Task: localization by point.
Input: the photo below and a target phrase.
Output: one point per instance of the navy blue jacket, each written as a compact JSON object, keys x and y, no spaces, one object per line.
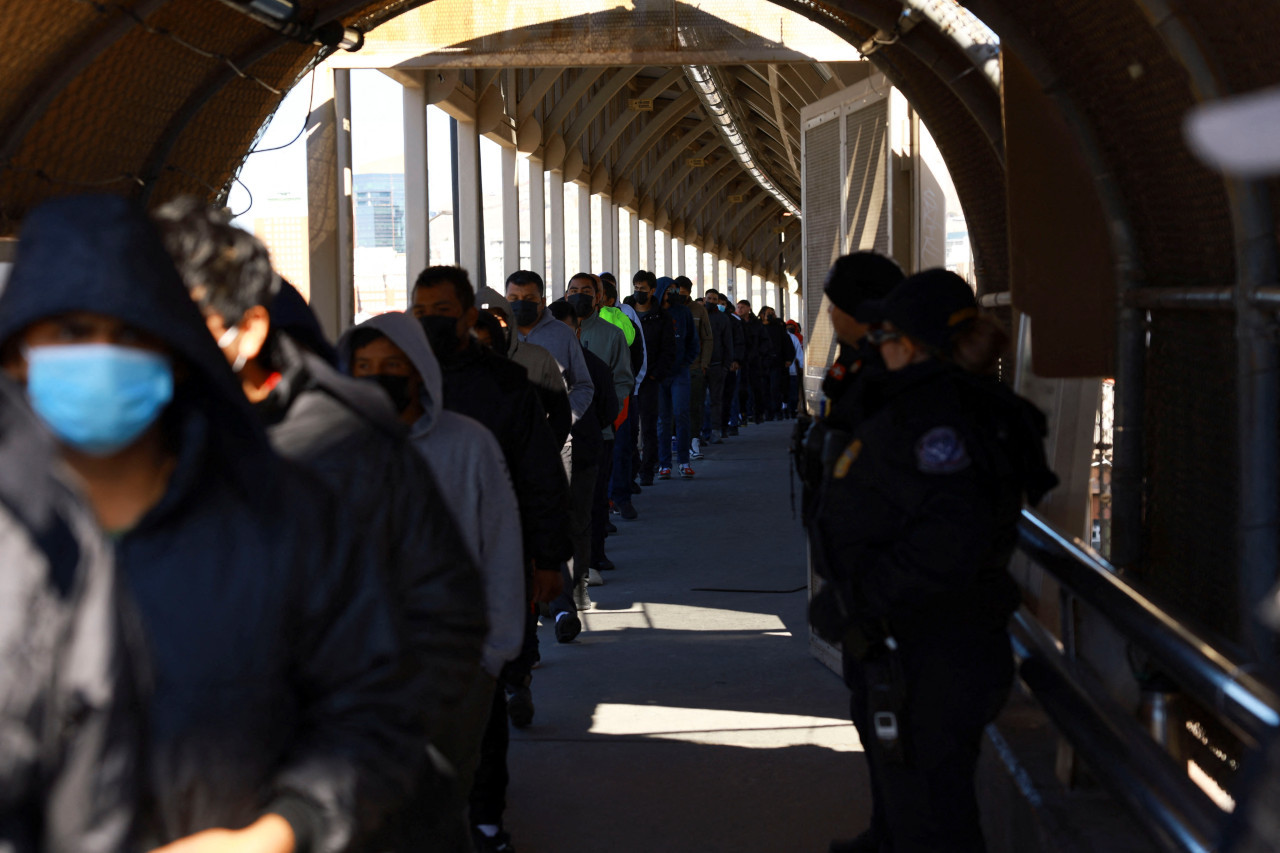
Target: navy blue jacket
{"x":275,"y":668}
{"x":688,"y":346}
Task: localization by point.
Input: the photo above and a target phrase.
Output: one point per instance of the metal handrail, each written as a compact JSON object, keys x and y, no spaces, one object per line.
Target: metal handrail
{"x":1246,"y":705}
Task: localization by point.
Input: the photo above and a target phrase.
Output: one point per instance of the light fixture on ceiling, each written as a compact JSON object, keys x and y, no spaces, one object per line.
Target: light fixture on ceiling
{"x":282,"y":16}
{"x":704,"y":83}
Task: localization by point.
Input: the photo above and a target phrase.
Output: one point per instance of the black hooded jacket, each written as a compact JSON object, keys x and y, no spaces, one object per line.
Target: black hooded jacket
{"x":345,"y":432}
{"x":273,"y":657}
{"x":72,"y":738}
{"x":497,"y":393}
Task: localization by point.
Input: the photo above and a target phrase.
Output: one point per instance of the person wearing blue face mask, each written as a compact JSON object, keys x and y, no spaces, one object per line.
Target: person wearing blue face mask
{"x":274,"y":694}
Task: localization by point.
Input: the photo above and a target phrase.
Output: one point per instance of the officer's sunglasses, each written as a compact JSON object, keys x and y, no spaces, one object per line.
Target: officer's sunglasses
{"x":883,"y":336}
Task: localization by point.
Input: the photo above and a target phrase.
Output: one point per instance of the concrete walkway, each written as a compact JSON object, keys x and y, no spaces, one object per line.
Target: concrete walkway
{"x":687,"y":717}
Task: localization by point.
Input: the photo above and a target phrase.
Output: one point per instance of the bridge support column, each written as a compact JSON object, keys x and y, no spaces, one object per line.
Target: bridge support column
{"x":633,"y":228}
{"x":615,"y":262}
{"x":537,"y":220}
{"x":667,"y":266}
{"x":467,"y":213}
{"x":608,"y":236}
{"x":510,"y":221}
{"x":555,"y":276}
{"x":330,"y":215}
{"x":680,"y":256}
{"x":417,"y":208}
{"x":651,"y":262}
{"x":584,"y":229}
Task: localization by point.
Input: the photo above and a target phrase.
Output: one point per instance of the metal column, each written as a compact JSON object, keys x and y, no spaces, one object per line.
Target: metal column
{"x":652,"y":261}
{"x":510,"y":220}
{"x":584,"y":229}
{"x":417,"y":207}
{"x":537,"y":218}
{"x":633,"y":228}
{"x":555,"y":276}
{"x":680,"y":256}
{"x":608,"y":237}
{"x":329,"y":202}
{"x":666,"y":254}
{"x":467,"y":213}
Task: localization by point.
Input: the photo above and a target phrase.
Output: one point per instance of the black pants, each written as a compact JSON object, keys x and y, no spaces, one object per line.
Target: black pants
{"x":956,"y":683}
{"x":758,"y":379}
{"x":489,"y":792}
{"x":649,"y":428}
{"x":731,"y":381}
{"x":777,"y":389}
{"x":600,"y":503}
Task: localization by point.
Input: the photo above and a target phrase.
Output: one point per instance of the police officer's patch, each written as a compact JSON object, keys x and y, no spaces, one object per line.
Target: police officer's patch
{"x":847,"y":458}
{"x":941,"y":451}
{"x":836,"y":372}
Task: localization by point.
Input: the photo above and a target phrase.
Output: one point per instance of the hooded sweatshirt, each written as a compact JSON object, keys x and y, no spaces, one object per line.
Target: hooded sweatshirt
{"x":462,"y":453}
{"x":687,"y":343}
{"x":544,"y":373}
{"x":272,"y":654}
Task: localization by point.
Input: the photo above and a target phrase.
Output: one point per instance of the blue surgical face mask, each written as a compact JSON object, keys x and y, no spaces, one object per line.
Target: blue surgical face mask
{"x":98,"y":398}
{"x":721,"y":306}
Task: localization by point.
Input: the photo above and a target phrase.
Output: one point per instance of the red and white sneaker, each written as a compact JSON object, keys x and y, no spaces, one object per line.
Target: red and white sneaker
{"x":664,"y":473}
{"x":686,"y":472}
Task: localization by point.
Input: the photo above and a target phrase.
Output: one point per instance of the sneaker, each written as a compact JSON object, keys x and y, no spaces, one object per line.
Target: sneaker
{"x":686,"y":472}
{"x":604,"y":564}
{"x":568,"y":627}
{"x":628,"y":512}
{"x":716,"y":438}
{"x":635,"y":487}
{"x":664,"y":473}
{"x":581,"y":600}
{"x":695,"y":449}
{"x":500,"y":843}
{"x":594,"y":579}
{"x":520,"y":707}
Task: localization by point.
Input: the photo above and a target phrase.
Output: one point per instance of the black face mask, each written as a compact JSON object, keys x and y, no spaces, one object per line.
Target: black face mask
{"x":674,"y":298}
{"x":397,"y":388}
{"x":582,"y":304}
{"x":525,"y":311}
{"x":442,"y":334}
{"x":642,"y":298}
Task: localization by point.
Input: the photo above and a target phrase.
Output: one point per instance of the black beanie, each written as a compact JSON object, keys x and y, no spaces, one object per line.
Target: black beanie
{"x":860,"y":277}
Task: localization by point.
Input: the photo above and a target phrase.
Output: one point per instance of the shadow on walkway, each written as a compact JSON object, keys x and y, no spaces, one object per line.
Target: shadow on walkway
{"x":687,"y":717}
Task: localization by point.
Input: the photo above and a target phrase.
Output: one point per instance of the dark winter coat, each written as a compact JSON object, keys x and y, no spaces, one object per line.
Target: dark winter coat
{"x":721,"y":337}
{"x":274,"y":655}
{"x":346,"y":433}
{"x":497,"y":393}
{"x":687,"y":344}
{"x":71,"y":734}
{"x":659,"y":341}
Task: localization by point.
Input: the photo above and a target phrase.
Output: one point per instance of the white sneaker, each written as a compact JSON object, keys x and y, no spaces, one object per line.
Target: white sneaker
{"x":695,"y":450}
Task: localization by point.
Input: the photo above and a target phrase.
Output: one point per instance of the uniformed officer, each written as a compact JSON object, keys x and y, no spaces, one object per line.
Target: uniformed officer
{"x":916,"y":523}
{"x":852,"y":280}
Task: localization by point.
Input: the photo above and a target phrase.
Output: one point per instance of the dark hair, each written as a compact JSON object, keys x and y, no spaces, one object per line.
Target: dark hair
{"x":978,"y":347}
{"x":456,"y":276}
{"x":683,"y":282}
{"x":746,"y":302}
{"x":497,"y":334}
{"x":610,"y":289}
{"x":588,"y":276}
{"x":646,"y":276}
{"x":523,"y":278}
{"x":711,"y":290}
{"x":608,"y":276}
{"x":765,"y":308}
{"x":226,"y":269}
{"x":362,"y":336}
{"x":562,"y":310}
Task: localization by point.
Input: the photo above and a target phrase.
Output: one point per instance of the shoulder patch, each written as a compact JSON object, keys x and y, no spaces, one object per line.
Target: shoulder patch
{"x":836,"y":372}
{"x":847,"y":458}
{"x":941,"y":451}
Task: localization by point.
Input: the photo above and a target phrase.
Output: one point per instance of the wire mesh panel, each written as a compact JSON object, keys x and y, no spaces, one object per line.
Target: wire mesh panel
{"x":822,"y":225}
{"x":866,"y":221}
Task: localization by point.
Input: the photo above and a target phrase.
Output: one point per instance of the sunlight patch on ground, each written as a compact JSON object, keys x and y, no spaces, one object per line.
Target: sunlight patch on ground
{"x":682,"y":617}
{"x":748,"y":729}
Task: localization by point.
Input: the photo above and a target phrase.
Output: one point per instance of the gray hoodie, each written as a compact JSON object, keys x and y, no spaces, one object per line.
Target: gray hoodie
{"x":468,"y":464}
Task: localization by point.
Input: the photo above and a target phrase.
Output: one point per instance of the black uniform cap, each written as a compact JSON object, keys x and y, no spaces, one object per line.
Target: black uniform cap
{"x":859,"y":277}
{"x":930,"y":306}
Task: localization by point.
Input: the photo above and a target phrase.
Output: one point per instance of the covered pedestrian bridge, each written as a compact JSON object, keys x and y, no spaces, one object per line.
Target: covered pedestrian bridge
{"x":746,"y":145}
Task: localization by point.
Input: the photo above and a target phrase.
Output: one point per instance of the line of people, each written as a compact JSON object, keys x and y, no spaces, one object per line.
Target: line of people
{"x":269,"y":593}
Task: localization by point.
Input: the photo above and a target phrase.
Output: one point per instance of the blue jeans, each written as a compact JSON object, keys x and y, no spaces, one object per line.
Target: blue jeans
{"x":735,"y":407}
{"x":674,"y":394}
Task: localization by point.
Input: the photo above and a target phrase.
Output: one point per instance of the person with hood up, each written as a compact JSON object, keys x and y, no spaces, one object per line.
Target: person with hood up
{"x":673,"y":395}
{"x":917,"y":523}
{"x":659,"y":342}
{"x":276,"y":715}
{"x":608,"y":343}
{"x":621,"y":480}
{"x":698,"y":370}
{"x":69,"y":717}
{"x":464,"y":454}
{"x":543,"y":371}
{"x":346,"y":433}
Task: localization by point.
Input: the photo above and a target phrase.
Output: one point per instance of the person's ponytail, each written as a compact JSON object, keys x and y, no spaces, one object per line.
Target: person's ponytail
{"x":978,"y":348}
